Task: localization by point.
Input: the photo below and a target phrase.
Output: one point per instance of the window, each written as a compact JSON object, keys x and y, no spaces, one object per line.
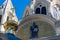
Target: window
{"x":59,"y":12}
{"x":7,"y":18}
{"x":0,"y":18}
{"x":43,"y":10}
{"x":37,"y":11}
{"x":54,"y":12}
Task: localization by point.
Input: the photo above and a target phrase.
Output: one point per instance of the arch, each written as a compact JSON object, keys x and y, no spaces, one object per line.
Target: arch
{"x":0,"y":18}
{"x":45,"y":30}
{"x":54,"y":11}
{"x":7,"y":18}
{"x":46,"y":26}
{"x":37,"y":11}
{"x":43,"y":10}
{"x":59,"y":12}
{"x":27,"y":12}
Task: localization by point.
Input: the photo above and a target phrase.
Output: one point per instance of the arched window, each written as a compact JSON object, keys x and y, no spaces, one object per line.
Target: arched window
{"x":0,"y":18}
{"x":27,"y":12}
{"x":37,"y":11}
{"x":59,"y":13}
{"x":7,"y":18}
{"x":54,"y":12}
{"x":43,"y":10}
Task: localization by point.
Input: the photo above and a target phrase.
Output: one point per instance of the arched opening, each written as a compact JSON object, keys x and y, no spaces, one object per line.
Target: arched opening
{"x":7,"y":18}
{"x":59,"y":13}
{"x":43,"y":10}
{"x":54,"y":11}
{"x":27,"y":13}
{"x":37,"y":11}
{"x":0,"y":18}
{"x":39,"y":29}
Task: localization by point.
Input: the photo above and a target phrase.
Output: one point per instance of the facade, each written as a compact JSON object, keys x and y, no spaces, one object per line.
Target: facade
{"x":40,"y":21}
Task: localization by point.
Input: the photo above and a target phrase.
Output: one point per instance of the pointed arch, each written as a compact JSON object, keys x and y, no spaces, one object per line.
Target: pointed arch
{"x":43,"y":10}
{"x":37,"y":11}
{"x":59,"y":12}
{"x":26,"y":12}
{"x":54,"y":11}
{"x":0,"y":18}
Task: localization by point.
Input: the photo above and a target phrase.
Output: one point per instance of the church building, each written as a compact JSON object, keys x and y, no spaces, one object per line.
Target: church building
{"x":40,"y":20}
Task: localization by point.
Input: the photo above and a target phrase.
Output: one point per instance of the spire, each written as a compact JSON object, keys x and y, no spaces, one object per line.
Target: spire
{"x":32,"y":5}
{"x":8,"y":13}
{"x":2,"y":10}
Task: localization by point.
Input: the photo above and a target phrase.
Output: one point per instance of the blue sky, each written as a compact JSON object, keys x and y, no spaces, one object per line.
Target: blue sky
{"x":19,"y":5}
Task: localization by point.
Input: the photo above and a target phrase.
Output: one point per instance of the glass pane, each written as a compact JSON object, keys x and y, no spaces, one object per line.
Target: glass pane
{"x":37,"y":11}
{"x":54,"y":12}
{"x":43,"y":10}
{"x":59,"y":13}
{"x":0,"y":18}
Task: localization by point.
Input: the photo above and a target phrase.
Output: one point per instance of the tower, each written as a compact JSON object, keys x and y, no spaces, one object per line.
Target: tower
{"x":37,"y":12}
{"x":8,"y":13}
